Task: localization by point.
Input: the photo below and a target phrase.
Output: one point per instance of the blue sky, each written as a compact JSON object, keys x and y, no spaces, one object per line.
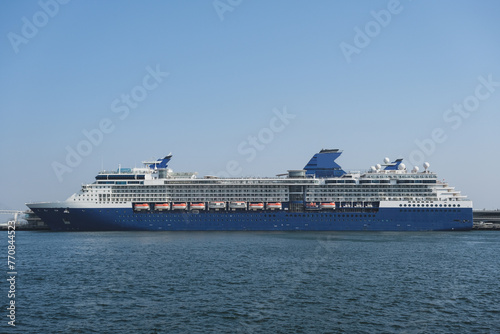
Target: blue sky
{"x":246,"y":88}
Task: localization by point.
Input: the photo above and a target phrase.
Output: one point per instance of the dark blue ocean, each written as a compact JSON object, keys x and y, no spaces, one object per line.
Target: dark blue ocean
{"x":245,"y":282}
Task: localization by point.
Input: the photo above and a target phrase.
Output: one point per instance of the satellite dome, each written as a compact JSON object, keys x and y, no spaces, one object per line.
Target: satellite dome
{"x":373,"y":168}
{"x":387,"y":160}
{"x":378,"y":166}
{"x":426,"y":165}
{"x":416,"y":169}
{"x":401,"y":166}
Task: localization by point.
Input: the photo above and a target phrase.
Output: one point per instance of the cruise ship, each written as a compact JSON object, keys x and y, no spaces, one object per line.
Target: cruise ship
{"x":319,"y":197}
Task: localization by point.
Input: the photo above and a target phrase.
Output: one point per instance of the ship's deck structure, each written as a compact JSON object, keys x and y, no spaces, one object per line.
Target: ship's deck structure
{"x":322,"y":186}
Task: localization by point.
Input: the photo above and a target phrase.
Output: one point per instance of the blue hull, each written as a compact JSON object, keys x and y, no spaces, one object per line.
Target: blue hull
{"x":385,"y":219}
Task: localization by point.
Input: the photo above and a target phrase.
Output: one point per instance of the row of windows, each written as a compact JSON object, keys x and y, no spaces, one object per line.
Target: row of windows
{"x":295,"y":215}
{"x":356,"y":198}
{"x":266,"y":187}
{"x":429,"y":210}
{"x":212,"y":220}
{"x":431,"y":205}
{"x":329,"y":215}
{"x":370,"y":190}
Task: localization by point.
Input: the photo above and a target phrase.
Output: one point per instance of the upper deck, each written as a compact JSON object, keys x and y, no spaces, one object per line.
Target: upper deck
{"x":321,"y":180}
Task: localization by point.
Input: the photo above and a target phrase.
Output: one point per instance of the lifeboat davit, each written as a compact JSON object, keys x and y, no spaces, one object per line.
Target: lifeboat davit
{"x":162,"y":206}
{"x":238,"y":205}
{"x":274,"y":206}
{"x":179,"y":206}
{"x":198,"y":206}
{"x":256,"y":206}
{"x":141,"y":206}
{"x":328,"y":205}
{"x":216,"y":205}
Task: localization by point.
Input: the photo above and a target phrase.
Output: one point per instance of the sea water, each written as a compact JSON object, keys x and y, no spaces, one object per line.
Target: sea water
{"x":251,"y":282}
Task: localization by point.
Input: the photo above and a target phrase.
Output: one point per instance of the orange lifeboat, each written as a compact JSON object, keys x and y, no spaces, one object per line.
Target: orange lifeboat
{"x":197,"y":206}
{"x":162,"y":206}
{"x":179,"y":206}
{"x":328,"y":205}
{"x":256,"y":206}
{"x":141,"y":206}
{"x":274,"y":206}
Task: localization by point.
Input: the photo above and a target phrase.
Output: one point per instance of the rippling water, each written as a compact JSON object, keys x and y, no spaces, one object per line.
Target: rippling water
{"x":216,"y":282}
